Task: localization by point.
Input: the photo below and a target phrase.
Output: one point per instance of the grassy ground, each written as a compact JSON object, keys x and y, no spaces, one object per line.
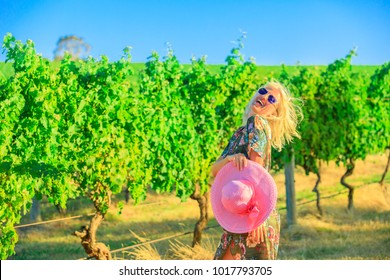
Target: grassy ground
{"x":338,"y":234}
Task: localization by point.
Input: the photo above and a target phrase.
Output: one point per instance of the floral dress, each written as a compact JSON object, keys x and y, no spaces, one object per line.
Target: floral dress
{"x":261,"y":243}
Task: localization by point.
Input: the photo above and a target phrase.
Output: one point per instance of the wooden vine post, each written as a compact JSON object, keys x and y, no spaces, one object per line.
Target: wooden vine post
{"x":290,"y":188}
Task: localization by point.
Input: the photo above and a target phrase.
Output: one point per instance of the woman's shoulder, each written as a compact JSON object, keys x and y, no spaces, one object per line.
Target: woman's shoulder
{"x":257,"y":122}
{"x":239,"y":131}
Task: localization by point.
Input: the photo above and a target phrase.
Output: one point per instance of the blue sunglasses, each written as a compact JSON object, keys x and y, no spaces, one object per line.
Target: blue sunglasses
{"x":271,"y":99}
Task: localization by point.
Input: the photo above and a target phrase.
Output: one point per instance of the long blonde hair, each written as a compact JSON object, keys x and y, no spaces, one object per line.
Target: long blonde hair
{"x":284,"y":124}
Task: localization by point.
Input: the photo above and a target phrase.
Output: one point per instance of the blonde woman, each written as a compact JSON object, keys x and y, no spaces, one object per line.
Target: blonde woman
{"x":269,"y":119}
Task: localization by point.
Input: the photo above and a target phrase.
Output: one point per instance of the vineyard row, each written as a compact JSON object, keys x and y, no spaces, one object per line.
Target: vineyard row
{"x":88,"y":128}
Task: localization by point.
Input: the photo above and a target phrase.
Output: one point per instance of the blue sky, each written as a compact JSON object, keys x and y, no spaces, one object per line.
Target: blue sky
{"x":286,"y":31}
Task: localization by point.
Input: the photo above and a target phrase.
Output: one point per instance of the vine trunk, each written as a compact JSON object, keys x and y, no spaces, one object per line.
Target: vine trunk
{"x":87,"y":234}
{"x":386,"y":169}
{"x":203,"y":201}
{"x":349,"y":172}
{"x":317,"y":191}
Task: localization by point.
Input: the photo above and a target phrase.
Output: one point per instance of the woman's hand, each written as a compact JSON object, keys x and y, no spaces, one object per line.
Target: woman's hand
{"x":239,"y":161}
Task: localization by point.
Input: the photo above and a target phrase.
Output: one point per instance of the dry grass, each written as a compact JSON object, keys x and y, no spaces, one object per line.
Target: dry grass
{"x":338,"y":234}
{"x":181,"y":251}
{"x":143,"y":252}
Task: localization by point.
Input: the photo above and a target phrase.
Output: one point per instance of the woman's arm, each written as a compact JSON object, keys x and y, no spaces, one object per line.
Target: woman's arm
{"x":219,"y":163}
{"x":256,"y":157}
{"x":239,"y":161}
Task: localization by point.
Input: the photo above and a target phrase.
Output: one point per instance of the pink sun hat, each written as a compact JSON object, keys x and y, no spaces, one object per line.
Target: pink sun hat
{"x":243,"y":200}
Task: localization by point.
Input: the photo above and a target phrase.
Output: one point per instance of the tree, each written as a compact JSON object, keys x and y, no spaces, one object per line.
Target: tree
{"x":75,"y":46}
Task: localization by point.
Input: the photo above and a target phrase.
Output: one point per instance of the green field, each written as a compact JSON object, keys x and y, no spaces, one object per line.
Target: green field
{"x":263,"y":71}
{"x":167,"y":223}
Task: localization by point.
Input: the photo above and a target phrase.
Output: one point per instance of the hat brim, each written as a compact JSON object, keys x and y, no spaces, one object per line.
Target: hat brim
{"x":265,"y":195}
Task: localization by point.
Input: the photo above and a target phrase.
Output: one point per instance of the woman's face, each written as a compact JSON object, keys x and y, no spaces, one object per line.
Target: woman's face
{"x":261,"y":104}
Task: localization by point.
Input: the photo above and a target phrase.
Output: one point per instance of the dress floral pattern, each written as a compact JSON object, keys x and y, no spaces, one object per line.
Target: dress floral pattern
{"x":261,"y":243}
